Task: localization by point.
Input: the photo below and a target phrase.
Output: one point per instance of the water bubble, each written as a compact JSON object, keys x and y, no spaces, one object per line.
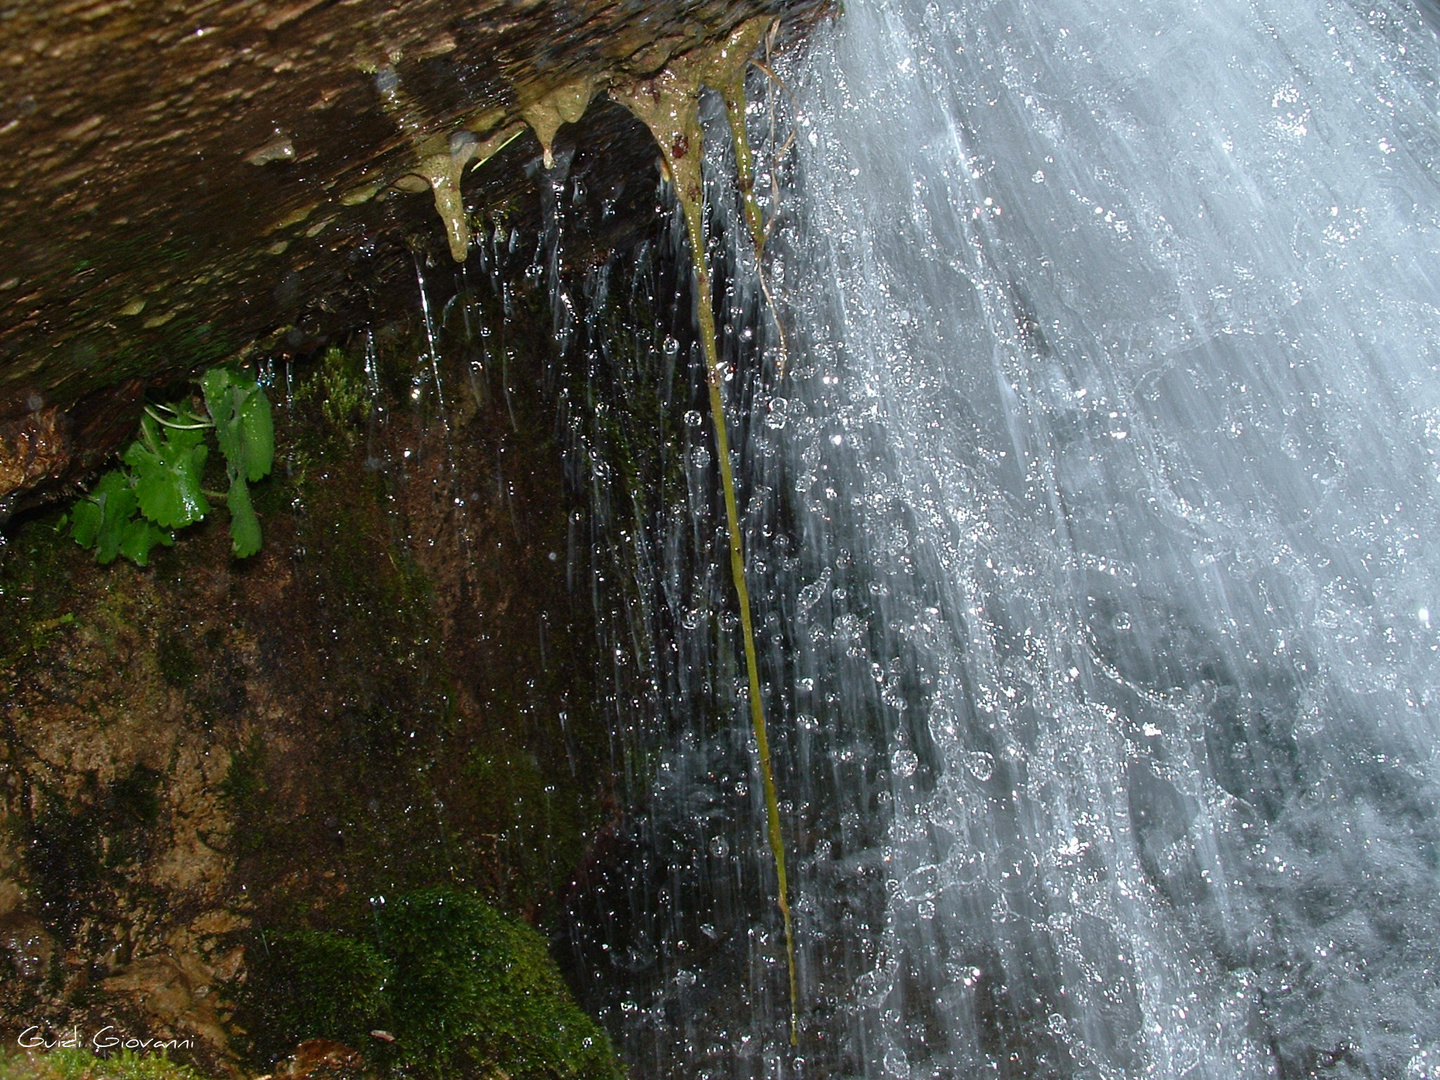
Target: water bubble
{"x":670,"y":346}
{"x":778,"y":415}
{"x":980,"y":764}
{"x":700,"y":457}
{"x":904,"y":762}
{"x":896,"y":1063}
{"x":847,"y":628}
{"x":693,"y":418}
{"x":810,"y":595}
{"x":719,"y":847}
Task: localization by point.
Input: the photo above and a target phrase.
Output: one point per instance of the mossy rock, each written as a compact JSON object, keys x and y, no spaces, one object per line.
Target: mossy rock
{"x":73,"y":1063}
{"x":466,"y":993}
{"x":314,"y":983}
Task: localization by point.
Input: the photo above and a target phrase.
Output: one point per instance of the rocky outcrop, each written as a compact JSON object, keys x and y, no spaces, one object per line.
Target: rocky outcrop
{"x":202,"y":757}
{"x":189,"y":181}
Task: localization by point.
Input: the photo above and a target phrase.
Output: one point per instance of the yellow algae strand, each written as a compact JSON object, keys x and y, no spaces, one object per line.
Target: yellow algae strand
{"x":669,"y":105}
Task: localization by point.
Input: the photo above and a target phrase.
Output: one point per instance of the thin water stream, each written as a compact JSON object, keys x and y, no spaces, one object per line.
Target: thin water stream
{"x":1095,"y":556}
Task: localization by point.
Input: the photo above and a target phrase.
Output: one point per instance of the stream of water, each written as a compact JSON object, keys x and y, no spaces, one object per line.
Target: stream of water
{"x":1093,"y":533}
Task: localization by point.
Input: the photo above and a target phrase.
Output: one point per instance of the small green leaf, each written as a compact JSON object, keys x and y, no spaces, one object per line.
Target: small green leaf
{"x":243,"y":424}
{"x":258,"y":429}
{"x":99,"y":517}
{"x":133,"y":509}
{"x":244,"y":525}
{"x":139,"y":537}
{"x":167,"y":479}
{"x":216,"y":383}
{"x":85,"y":521}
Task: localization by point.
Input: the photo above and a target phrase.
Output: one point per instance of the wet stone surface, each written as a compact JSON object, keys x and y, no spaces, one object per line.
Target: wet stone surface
{"x":207,"y":757}
{"x":188,"y":182}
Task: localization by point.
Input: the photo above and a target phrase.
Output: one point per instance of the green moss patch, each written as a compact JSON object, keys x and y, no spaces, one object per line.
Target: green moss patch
{"x":463,"y":992}
{"x":69,"y":1063}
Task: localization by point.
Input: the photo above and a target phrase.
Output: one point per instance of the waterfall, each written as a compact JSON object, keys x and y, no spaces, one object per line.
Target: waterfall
{"x":1094,"y":531}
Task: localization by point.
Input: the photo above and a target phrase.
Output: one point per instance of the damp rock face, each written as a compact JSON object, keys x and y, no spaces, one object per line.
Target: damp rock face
{"x":191,"y":181}
{"x":207,"y":761}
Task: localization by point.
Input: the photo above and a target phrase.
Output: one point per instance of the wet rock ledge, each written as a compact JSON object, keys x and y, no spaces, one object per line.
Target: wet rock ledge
{"x":193,"y":181}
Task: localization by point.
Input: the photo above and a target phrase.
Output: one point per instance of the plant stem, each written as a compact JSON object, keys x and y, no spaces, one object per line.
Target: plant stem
{"x":201,"y":426}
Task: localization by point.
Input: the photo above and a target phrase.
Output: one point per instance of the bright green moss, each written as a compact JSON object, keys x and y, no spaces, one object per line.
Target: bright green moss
{"x":77,"y":1064}
{"x":313,"y":984}
{"x":466,"y":993}
{"x":476,"y":994}
{"x":337,"y":385}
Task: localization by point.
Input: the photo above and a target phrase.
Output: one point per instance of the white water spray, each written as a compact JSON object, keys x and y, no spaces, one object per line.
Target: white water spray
{"x":1112,"y":448}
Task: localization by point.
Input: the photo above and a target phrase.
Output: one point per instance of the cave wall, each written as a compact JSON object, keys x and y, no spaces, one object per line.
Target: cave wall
{"x":203,"y":755}
{"x":192,"y":181}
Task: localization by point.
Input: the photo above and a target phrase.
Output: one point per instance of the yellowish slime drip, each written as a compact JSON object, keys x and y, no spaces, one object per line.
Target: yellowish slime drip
{"x":563,"y":105}
{"x":441,"y":161}
{"x":669,"y":105}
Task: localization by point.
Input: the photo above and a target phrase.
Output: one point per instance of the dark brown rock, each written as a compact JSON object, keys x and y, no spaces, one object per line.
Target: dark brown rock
{"x":191,"y":179}
{"x":389,"y":695}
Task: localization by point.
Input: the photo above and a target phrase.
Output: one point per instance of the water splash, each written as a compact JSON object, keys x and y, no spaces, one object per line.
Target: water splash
{"x":1111,"y":458}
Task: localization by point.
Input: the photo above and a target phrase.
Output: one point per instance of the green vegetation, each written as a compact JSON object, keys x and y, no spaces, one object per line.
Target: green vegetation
{"x":400,"y":757}
{"x":463,"y":991}
{"x":159,"y":487}
{"x":319,"y":984}
{"x":72,"y":1063}
{"x":338,"y":387}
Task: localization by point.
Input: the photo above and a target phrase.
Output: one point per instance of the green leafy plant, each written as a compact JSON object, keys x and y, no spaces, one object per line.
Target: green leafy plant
{"x":159,"y":486}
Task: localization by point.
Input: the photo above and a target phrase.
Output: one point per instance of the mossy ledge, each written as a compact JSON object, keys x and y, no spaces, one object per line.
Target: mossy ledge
{"x":440,"y":984}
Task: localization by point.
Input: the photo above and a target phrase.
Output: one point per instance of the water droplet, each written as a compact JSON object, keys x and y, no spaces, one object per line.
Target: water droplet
{"x":980,"y":764}
{"x":778,"y":416}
